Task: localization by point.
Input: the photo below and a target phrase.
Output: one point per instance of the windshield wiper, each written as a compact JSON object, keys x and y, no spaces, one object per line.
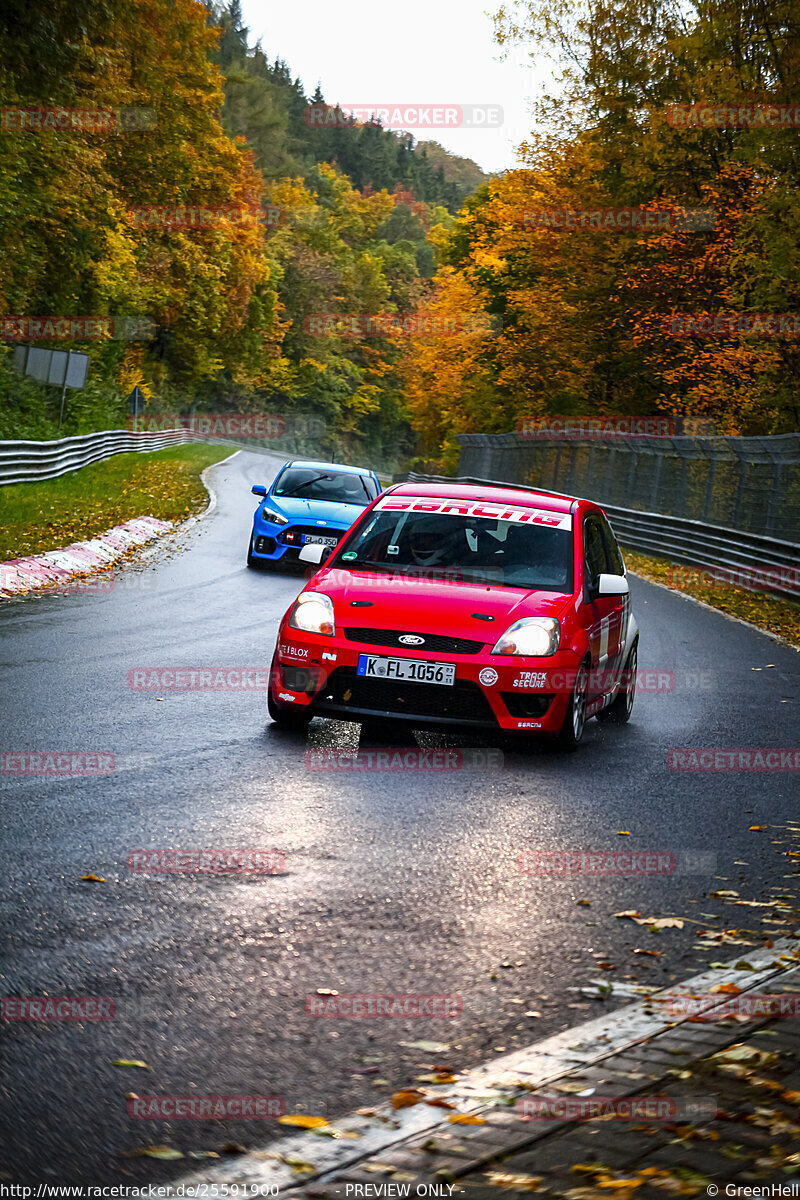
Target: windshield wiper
{"x":308,"y":483}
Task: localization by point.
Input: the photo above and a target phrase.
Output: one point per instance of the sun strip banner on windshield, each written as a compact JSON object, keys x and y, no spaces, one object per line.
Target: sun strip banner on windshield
{"x":476,"y":508}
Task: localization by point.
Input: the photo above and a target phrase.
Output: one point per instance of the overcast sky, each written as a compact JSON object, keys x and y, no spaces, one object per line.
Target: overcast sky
{"x":409,"y":53}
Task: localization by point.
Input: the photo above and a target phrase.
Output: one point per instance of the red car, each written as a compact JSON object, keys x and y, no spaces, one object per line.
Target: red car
{"x":481,"y":608}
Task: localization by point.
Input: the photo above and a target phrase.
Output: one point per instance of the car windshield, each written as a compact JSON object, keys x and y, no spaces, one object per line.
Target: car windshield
{"x":313,"y":483}
{"x":505,"y":553}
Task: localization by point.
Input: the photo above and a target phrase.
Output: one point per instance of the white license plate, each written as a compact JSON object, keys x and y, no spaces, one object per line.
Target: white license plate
{"x":318,"y":539}
{"x":417,"y":670}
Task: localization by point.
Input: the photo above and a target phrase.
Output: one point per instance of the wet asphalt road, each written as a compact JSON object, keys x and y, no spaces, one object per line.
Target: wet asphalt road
{"x":394,"y":882}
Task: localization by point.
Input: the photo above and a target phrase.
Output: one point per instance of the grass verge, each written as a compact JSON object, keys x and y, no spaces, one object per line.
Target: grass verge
{"x":36,"y":517}
{"x":767,"y":611}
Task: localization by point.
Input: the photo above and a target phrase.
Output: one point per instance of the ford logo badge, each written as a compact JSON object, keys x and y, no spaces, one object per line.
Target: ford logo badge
{"x":411,"y":639}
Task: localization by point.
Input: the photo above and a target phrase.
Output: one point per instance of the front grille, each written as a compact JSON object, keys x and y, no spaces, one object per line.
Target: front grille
{"x":436,"y":643}
{"x":464,"y":701}
{"x":520,"y":704}
{"x":293,"y":535}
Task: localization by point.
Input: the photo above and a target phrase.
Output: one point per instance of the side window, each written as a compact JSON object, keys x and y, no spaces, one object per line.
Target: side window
{"x":594,"y":550}
{"x":616,"y":564}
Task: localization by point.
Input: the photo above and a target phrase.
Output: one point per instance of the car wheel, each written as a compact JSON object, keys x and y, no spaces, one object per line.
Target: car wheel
{"x":285,"y":717}
{"x":575,"y":718}
{"x":620,"y":709}
{"x":251,"y":562}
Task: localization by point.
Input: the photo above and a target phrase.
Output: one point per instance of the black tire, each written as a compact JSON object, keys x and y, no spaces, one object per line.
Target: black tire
{"x":297,"y":720}
{"x":575,"y":718}
{"x":251,"y":562}
{"x":619,"y":711}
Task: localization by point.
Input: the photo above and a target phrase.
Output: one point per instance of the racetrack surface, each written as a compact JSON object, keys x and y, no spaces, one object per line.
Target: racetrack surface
{"x":394,"y":883}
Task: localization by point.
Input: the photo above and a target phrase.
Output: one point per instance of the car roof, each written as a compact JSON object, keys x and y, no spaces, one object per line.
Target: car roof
{"x":489,"y":494}
{"x":327,"y":466}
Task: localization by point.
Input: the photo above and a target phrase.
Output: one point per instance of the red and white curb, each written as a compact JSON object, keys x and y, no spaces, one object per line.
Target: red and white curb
{"x":83,"y":559}
{"x":270,"y":1169}
{"x":22,"y":575}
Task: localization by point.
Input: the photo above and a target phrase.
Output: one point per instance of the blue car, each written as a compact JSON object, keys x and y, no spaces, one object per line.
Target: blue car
{"x":308,"y":503}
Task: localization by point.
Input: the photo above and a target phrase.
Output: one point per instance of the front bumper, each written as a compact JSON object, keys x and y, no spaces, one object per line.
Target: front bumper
{"x":272,"y":543}
{"x":496,"y":692}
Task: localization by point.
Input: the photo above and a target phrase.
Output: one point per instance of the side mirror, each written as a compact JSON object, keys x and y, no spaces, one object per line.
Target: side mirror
{"x":314,"y":553}
{"x":258,"y":489}
{"x":611,"y":585}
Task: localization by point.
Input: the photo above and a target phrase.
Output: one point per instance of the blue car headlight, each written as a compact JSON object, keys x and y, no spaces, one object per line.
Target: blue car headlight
{"x":269,"y":514}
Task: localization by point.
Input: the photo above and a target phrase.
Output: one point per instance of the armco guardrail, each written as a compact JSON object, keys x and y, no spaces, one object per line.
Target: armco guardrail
{"x":25,"y":462}
{"x":748,"y":560}
{"x":747,"y":483}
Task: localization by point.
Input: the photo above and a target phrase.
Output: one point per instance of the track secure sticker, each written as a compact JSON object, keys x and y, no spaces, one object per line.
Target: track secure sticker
{"x":476,"y":508}
{"x":531,"y":679}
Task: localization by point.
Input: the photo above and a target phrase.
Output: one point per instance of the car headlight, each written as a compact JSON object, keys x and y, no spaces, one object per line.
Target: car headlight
{"x":269,"y":514}
{"x":536,"y":637}
{"x":313,"y":612}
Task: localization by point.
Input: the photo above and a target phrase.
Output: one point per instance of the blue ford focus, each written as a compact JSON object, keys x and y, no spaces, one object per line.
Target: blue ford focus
{"x":308,"y":503}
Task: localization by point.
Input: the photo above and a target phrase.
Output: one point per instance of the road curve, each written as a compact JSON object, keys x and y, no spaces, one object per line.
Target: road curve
{"x":395,"y":882}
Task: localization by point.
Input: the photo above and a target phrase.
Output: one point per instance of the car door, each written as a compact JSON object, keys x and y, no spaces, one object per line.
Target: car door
{"x":606,"y":612}
{"x":618,"y":629}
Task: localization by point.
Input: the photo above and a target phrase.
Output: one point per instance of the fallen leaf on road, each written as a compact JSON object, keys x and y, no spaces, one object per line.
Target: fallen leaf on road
{"x":407,"y":1097}
{"x":331,"y":1132}
{"x":605,"y":966}
{"x":436,"y":1077}
{"x":585,"y":903}
{"x":746,"y":1054}
{"x":430,"y":1047}
{"x":438,"y":1102}
{"x":166,"y":1152}
{"x":327,"y":992}
{"x":466,"y":1119}
{"x":522,"y":1183}
{"x":651,"y":953}
{"x":629,"y":912}
{"x":533,"y":1013}
{"x":301,"y":1121}
{"x":299,"y":1165}
{"x":723,"y":893}
{"x":130,"y":1062}
{"x":729,"y":988}
{"x":93,"y":878}
{"x":758,"y":828}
